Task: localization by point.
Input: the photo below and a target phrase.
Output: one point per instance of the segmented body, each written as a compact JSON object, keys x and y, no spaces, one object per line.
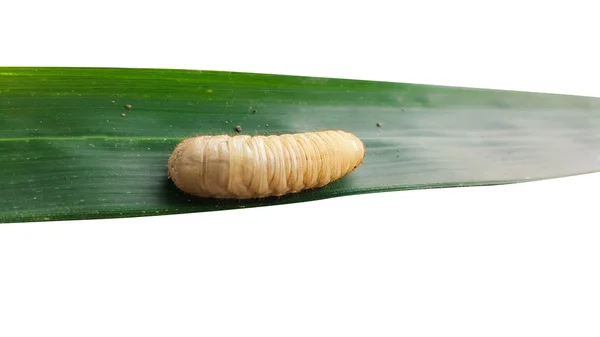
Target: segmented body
{"x":242,"y":166}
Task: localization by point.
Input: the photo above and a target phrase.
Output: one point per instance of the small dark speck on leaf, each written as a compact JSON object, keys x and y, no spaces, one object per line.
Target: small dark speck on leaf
{"x":238,"y":128}
{"x":378,"y":124}
{"x":252,"y":110}
{"x":128,"y":106}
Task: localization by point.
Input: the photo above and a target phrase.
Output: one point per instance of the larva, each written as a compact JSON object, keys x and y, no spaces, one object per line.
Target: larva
{"x":243,"y":166}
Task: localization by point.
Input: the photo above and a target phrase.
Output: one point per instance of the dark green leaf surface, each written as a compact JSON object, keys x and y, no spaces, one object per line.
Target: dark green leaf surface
{"x":66,"y":151}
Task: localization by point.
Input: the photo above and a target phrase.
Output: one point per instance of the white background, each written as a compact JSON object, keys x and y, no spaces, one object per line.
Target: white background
{"x":516,"y":260}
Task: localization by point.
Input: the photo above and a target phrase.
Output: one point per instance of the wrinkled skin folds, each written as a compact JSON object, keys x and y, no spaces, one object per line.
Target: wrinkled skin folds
{"x":243,"y":166}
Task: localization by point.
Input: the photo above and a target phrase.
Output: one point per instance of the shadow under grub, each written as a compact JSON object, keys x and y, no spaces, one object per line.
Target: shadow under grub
{"x":182,"y":202}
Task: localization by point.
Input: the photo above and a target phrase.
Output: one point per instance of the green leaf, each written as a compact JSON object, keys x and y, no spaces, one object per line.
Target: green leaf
{"x":66,"y":151}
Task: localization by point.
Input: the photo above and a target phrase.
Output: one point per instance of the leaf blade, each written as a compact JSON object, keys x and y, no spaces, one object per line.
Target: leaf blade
{"x":69,"y":153}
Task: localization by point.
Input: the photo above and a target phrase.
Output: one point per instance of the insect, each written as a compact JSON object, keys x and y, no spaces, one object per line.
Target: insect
{"x":244,"y":166}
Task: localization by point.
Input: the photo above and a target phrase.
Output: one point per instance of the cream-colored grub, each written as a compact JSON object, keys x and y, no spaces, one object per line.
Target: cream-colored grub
{"x":243,"y":166}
